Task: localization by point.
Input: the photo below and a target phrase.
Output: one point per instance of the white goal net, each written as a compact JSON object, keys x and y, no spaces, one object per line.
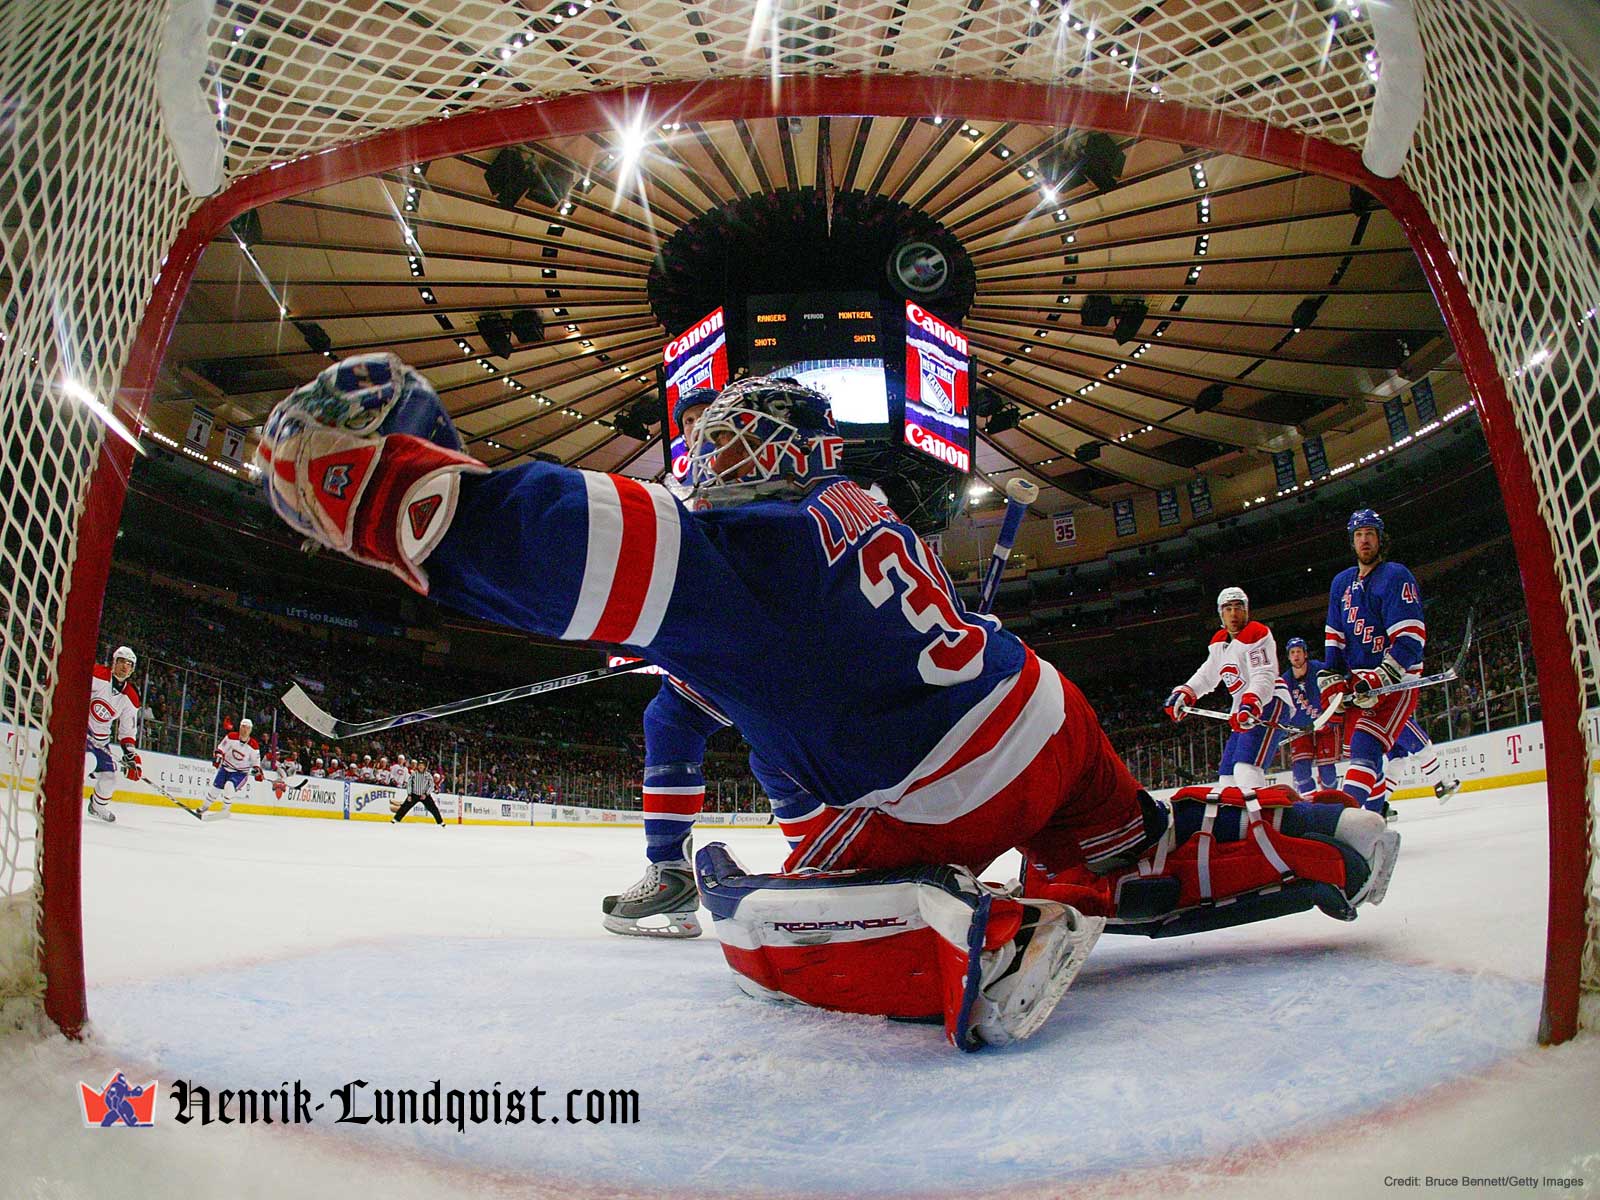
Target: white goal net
{"x":93,"y":202}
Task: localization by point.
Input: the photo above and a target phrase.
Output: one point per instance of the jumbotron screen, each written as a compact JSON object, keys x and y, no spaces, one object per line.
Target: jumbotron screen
{"x":696,"y":358}
{"x":830,"y":341}
{"x":938,"y":363}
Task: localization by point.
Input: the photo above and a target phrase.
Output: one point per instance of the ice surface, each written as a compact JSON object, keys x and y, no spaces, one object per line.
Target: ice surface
{"x":1302,"y":1053}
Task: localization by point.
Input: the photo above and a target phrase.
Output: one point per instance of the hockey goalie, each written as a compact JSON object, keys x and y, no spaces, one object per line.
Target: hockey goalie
{"x":922,"y":739}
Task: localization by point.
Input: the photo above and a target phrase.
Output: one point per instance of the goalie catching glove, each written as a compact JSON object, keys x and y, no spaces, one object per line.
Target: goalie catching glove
{"x":364,"y":460}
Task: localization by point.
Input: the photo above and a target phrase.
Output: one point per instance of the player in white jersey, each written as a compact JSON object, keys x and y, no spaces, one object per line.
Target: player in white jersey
{"x":399,"y":773}
{"x":113,"y":715}
{"x":238,"y":760}
{"x":1243,"y":658}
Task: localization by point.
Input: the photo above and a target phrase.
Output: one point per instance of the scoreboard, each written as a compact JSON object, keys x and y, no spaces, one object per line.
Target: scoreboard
{"x":832,"y":341}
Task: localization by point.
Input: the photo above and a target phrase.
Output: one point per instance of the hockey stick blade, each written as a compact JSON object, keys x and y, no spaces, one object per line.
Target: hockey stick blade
{"x":156,"y":787}
{"x":328,"y":725}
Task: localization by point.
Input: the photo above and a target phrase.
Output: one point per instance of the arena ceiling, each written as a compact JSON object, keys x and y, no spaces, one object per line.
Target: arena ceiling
{"x":1279,"y":303}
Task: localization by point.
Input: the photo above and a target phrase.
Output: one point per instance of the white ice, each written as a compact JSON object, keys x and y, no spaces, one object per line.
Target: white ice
{"x":1297,"y":1057}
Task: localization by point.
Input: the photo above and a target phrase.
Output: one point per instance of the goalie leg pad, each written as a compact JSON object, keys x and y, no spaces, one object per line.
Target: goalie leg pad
{"x":1236,"y":858}
{"x":918,"y":943}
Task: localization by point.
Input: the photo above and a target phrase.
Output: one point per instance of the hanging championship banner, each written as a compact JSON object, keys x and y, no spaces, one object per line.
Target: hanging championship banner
{"x":1122,"y":515}
{"x":1200,"y":497}
{"x":200,"y":422}
{"x":233,"y":445}
{"x":935,"y":543}
{"x":1316,"y":456}
{"x":1283,"y":468}
{"x":1066,"y":528}
{"x":1167,"y":506}
{"x":1422,"y":397}
{"x":1396,"y":414}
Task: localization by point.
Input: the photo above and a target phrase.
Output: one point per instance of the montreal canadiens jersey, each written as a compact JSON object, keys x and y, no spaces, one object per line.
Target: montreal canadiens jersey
{"x":822,"y":627}
{"x":237,"y":754}
{"x":1371,"y":617}
{"x":1246,"y":663}
{"x":113,"y":709}
{"x":1305,"y":697}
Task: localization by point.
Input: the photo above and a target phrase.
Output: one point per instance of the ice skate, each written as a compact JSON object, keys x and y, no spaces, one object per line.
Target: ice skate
{"x":666,"y":897}
{"x":1028,"y":976}
{"x":101,"y":812}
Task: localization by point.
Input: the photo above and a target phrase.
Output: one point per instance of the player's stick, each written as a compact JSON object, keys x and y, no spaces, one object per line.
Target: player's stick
{"x":193,"y":812}
{"x":328,"y":725}
{"x":1020,"y":493}
{"x":1448,"y":675}
{"x":1215,"y":715}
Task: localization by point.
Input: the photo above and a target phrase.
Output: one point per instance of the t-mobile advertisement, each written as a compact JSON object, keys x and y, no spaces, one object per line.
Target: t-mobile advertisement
{"x":696,"y":358}
{"x":938,"y":417}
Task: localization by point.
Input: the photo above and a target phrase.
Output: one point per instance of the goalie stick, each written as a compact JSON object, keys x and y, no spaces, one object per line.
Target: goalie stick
{"x":1019,"y":495}
{"x":328,"y":725}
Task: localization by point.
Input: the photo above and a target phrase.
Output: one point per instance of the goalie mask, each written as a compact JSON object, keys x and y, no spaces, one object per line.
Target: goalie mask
{"x":760,"y":436}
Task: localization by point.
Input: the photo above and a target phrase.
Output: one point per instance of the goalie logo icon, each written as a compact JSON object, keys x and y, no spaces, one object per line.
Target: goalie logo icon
{"x":118,"y":1102}
{"x":421,"y":514}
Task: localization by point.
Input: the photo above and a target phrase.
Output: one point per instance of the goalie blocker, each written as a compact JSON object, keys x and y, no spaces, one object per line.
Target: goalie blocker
{"x":935,"y":942}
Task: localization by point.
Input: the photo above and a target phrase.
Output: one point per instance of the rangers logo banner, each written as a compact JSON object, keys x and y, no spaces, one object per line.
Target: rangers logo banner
{"x":697,"y":358}
{"x":1066,"y":528}
{"x":1167,"y":506}
{"x":938,"y":360}
{"x":1200,"y":497}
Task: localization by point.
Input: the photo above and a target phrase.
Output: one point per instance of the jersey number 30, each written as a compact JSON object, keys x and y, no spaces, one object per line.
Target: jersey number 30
{"x":956,"y":654}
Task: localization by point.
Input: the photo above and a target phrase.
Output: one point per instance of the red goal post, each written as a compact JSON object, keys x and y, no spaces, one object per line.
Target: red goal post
{"x":1495,"y":258}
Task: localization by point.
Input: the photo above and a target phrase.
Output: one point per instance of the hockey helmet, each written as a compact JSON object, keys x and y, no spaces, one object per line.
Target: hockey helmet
{"x":399,"y":758}
{"x":318,"y":763}
{"x":1364,"y":518}
{"x":1230,"y":595}
{"x":245,"y":723}
{"x":1295,"y":644}
{"x":763,"y":430}
{"x":123,"y":654}
{"x":693,"y":398}
{"x":366,"y":758}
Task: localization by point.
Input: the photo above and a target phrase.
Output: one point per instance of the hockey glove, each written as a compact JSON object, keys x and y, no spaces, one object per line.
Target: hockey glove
{"x":130,"y":765}
{"x":1179,"y":703}
{"x":1334,"y":687}
{"x":364,"y":460}
{"x":260,"y":777}
{"x":1369,"y":680}
{"x":1246,"y":715}
{"x":216,"y":760}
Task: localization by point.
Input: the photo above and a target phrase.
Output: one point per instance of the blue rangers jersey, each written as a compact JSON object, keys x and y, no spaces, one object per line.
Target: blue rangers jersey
{"x":1371,"y":617}
{"x":823,"y":628}
{"x":1305,"y":697}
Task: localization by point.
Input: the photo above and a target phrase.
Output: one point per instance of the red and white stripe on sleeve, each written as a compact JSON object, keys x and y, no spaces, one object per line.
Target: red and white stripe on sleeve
{"x":1412,"y":628}
{"x":631,"y":564}
{"x":1332,"y":636}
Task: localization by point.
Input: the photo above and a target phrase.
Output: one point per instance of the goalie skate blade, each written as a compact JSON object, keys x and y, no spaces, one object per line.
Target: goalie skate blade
{"x":1049,"y":967}
{"x":679,"y":925}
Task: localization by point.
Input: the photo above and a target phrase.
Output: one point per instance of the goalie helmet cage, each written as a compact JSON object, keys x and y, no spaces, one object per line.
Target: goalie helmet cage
{"x":99,"y":236}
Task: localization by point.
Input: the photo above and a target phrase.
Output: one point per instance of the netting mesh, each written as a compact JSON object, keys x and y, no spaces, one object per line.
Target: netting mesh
{"x":90,"y":195}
